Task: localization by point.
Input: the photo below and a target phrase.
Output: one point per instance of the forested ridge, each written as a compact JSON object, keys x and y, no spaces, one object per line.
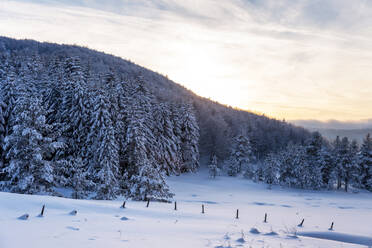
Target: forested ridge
{"x":103,"y":126}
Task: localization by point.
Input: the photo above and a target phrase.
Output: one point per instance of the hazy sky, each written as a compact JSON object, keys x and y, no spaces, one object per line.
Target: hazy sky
{"x":292,"y":59}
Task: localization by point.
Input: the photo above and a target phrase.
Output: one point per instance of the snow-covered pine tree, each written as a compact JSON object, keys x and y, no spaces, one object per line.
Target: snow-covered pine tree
{"x":328,"y":167}
{"x":365,"y":163}
{"x":148,"y":184}
{"x":26,"y":169}
{"x":312,"y":176}
{"x":104,"y":165}
{"x":2,"y":130}
{"x":79,"y":181}
{"x":143,"y":178}
{"x":240,"y":156}
{"x":9,"y":95}
{"x":347,"y":164}
{"x":111,"y":92}
{"x":291,"y":161}
{"x":353,"y":171}
{"x":213,"y":167}
{"x":53,"y":99}
{"x":294,"y":167}
{"x":270,"y":170}
{"x":121,"y":127}
{"x":73,"y":117}
{"x":169,"y":159}
{"x":189,"y":139}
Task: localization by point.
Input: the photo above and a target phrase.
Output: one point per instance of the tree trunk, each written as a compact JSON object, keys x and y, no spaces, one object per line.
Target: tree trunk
{"x":346,"y":184}
{"x":338,"y":182}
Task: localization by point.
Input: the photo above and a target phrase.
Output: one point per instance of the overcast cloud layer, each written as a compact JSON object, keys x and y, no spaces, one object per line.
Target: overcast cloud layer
{"x":285,"y":58}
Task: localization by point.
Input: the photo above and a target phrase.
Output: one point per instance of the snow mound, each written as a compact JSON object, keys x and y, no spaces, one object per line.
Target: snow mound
{"x":23,"y":217}
{"x":272,"y":233}
{"x":254,"y":231}
{"x":124,"y":218}
{"x":341,"y":237}
{"x":73,"y":212}
{"x":240,"y":240}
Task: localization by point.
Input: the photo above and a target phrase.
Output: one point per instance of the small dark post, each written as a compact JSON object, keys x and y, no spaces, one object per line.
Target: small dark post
{"x":301,"y":224}
{"x":331,"y":228}
{"x":123,"y":206}
{"x":237,"y":214}
{"x":175,"y":205}
{"x":42,"y":211}
{"x":202,"y":209}
{"x":265,"y":220}
{"x":148,"y":203}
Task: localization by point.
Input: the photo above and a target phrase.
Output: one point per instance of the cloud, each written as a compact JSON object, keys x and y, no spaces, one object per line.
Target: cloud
{"x":335,"y":124}
{"x":292,"y":59}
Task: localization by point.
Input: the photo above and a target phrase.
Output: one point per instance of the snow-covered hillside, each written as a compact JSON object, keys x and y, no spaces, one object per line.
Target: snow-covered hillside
{"x":105,"y":224}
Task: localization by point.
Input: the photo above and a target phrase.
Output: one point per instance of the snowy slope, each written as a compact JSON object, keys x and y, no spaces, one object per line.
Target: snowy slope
{"x":100,"y":223}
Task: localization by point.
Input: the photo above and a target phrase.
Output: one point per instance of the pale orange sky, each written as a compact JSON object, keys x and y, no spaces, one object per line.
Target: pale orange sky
{"x":285,"y":58}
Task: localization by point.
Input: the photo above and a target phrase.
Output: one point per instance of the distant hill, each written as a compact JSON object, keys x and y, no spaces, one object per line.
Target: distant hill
{"x":352,"y":134}
{"x":218,"y":123}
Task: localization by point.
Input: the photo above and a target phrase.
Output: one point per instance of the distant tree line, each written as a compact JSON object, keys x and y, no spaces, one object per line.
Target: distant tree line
{"x":315,"y":164}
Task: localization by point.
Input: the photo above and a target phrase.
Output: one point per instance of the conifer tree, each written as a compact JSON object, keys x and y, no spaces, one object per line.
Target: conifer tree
{"x":2,"y":131}
{"x":169,"y":154}
{"x":270,"y":169}
{"x":241,"y":155}
{"x":189,"y":139}
{"x":312,"y":176}
{"x":105,"y":151}
{"x":26,"y":169}
{"x":120,"y":127}
{"x":79,"y":181}
{"x":143,"y":178}
{"x":328,"y":167}
{"x":365,"y":163}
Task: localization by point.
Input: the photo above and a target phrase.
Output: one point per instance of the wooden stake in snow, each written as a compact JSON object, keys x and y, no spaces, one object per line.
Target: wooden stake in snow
{"x":42,"y":211}
{"x":202,"y":209}
{"x":265,"y":220}
{"x":301,"y":224}
{"x":123,"y":206}
{"x":237,"y":214}
{"x":175,"y":205}
{"x":331,"y":228}
{"x":148,"y":203}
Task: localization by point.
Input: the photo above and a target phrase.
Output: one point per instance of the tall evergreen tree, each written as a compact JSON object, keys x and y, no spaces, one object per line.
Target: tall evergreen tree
{"x":143,"y":178}
{"x":241,"y":155}
{"x":26,"y":169}
{"x":189,"y":139}
{"x":365,"y":163}
{"x":270,"y":169}
{"x":328,"y":166}
{"x":105,"y":151}
{"x":169,"y":155}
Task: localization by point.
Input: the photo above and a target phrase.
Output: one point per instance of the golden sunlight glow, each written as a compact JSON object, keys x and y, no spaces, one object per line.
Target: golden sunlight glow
{"x":288,"y":69}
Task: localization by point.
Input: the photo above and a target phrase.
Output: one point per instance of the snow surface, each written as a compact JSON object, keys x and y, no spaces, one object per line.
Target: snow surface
{"x":105,"y":224}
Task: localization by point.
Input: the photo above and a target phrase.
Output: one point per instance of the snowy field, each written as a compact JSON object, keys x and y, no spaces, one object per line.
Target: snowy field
{"x":105,"y":224}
